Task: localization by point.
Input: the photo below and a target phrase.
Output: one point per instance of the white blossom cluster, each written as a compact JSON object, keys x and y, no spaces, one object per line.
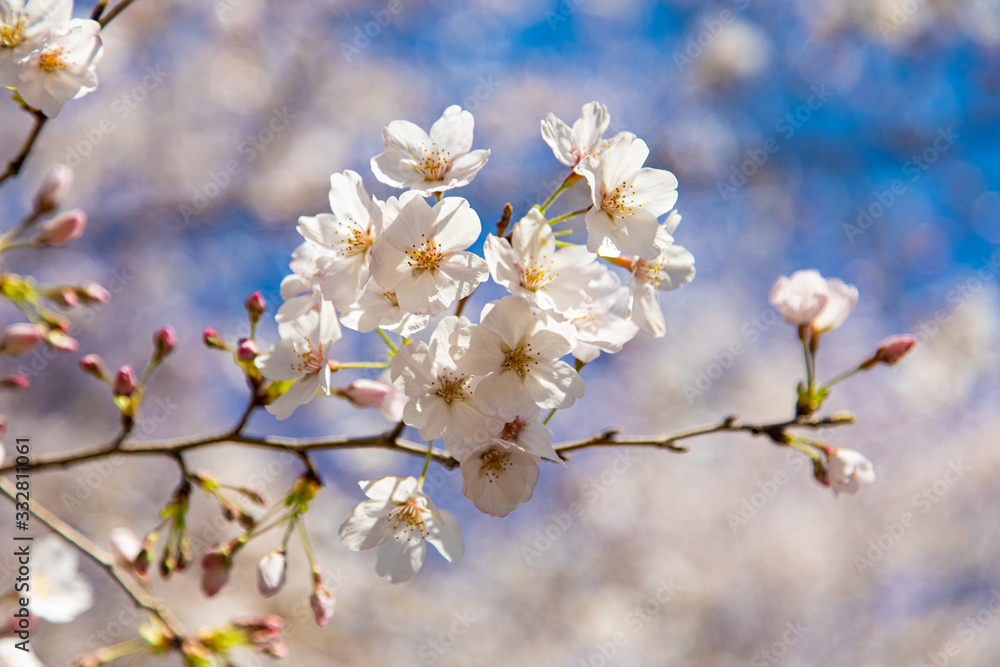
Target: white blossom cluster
{"x":479,"y":387}
{"x":46,"y":54}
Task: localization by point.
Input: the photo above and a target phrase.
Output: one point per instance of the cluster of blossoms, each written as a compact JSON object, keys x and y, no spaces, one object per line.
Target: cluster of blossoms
{"x":48,"y":56}
{"x":481,"y":388}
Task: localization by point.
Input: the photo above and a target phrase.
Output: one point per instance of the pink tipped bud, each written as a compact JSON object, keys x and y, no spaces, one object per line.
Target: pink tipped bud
{"x":894,"y":348}
{"x":255,"y":305}
{"x":53,"y":189}
{"x":19,"y":338}
{"x":3,"y":429}
{"x":164,"y":341}
{"x":91,"y":364}
{"x":365,"y":393}
{"x":15,"y":381}
{"x":215,"y":567}
{"x":63,"y":229}
{"x":61,"y":342}
{"x":322,"y":604}
{"x":211,"y":339}
{"x":264,"y":634}
{"x":93,"y":293}
{"x":247,"y":351}
{"x":125,"y":382}
{"x":271,"y":573}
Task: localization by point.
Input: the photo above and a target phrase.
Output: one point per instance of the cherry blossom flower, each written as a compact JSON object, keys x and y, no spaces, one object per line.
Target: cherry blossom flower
{"x":441,"y":396}
{"x":530,"y":266}
{"x":345,"y":237}
{"x":302,"y":355}
{"x":379,"y":307}
{"x":63,"y":67}
{"x":518,"y":353}
{"x":673,"y":268}
{"x":22,"y":26}
{"x":599,"y":326}
{"x":840,"y":301}
{"x":849,"y":470}
{"x":628,"y":198}
{"x":397,"y":521}
{"x":421,"y":256}
{"x":430,"y":163}
{"x":498,"y":476}
{"x":572,"y":145}
{"x":524,"y":431}
{"x":59,"y":593}
{"x":800,"y":297}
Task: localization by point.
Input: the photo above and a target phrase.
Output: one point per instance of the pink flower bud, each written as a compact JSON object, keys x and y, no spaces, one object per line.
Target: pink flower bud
{"x":16,"y":339}
{"x":91,"y":364}
{"x":211,"y":339}
{"x":264,"y":634}
{"x":63,"y":229}
{"x":247,"y":351}
{"x":255,"y":305}
{"x":61,"y":342}
{"x":894,"y":348}
{"x":322,"y":604}
{"x":215,"y":567}
{"x":125,"y":382}
{"x":3,"y":429}
{"x":271,"y":573}
{"x":15,"y":381}
{"x":164,"y":341}
{"x":93,"y":293}
{"x":53,"y":189}
{"x":364,"y":393}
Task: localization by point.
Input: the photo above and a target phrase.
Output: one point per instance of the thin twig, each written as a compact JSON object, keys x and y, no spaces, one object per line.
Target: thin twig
{"x":16,"y":162}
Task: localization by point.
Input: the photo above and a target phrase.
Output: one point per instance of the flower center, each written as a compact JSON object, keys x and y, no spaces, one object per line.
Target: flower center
{"x":520,"y":359}
{"x":534,"y":276}
{"x":52,"y":59}
{"x":451,"y":386}
{"x":358,"y":240}
{"x":12,"y":27}
{"x":433,"y":163}
{"x":310,"y":361}
{"x":390,"y":296}
{"x":620,"y":201}
{"x":425,"y":258}
{"x":648,"y":272}
{"x":493,"y":464}
{"x":512,"y":430}
{"x":407,"y":520}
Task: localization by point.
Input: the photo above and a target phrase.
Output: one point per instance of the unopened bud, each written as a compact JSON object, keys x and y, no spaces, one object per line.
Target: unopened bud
{"x":63,"y":229}
{"x":247,"y":351}
{"x":53,"y":189}
{"x":164,"y":341}
{"x":16,"y":339}
{"x":215,"y":567}
{"x":91,"y":364}
{"x":364,"y":393}
{"x":64,"y":296}
{"x":894,"y":348}
{"x":271,"y":573}
{"x":125,"y":382}
{"x":211,"y":339}
{"x":15,"y":381}
{"x":125,"y":546}
{"x":93,"y":293}
{"x":255,"y":305}
{"x":322,"y":604}
{"x":61,"y":342}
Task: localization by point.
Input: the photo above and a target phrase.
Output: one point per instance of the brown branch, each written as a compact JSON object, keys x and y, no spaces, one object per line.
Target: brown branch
{"x":86,"y":546}
{"x":115,"y":11}
{"x":16,"y":162}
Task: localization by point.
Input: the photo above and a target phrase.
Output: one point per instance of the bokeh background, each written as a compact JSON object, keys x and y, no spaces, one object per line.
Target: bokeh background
{"x":857,"y":137}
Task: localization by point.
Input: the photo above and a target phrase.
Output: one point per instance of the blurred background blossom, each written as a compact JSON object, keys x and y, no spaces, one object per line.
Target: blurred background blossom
{"x":856,"y":137}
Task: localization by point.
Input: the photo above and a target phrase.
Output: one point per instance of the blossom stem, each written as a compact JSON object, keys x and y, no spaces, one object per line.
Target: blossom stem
{"x":807,"y":355}
{"x":567,"y":216}
{"x":565,"y":185}
{"x":549,"y":416}
{"x":388,"y":341}
{"x":308,"y":548}
{"x":841,"y":377}
{"x":427,"y":463}
{"x":120,"y":650}
{"x":362,"y":364}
